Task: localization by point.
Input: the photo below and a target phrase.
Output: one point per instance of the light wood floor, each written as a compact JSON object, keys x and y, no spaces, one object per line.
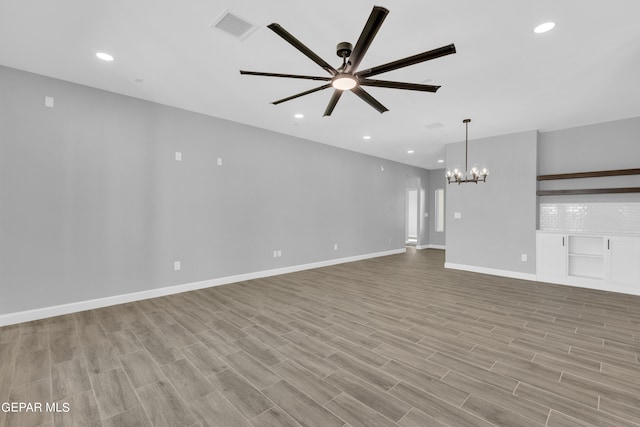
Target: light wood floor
{"x":389,"y":341}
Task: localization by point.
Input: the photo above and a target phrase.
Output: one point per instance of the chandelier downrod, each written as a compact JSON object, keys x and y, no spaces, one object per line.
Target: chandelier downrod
{"x":466,"y":144}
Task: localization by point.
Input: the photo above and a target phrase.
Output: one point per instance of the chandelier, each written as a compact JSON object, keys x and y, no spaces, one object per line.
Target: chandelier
{"x":474,"y":174}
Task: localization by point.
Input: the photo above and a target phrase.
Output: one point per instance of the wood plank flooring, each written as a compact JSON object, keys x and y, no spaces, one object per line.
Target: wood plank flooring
{"x":392,"y":341}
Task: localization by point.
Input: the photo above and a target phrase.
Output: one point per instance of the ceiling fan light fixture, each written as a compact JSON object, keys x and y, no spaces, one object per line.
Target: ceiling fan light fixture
{"x":344,"y":82}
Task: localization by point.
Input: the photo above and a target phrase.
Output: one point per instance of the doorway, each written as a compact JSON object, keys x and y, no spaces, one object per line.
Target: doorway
{"x":411,"y":238}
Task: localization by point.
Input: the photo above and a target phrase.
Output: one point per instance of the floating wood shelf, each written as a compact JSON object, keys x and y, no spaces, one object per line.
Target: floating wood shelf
{"x":617,"y":172}
{"x":596,"y":174}
{"x":588,"y":191}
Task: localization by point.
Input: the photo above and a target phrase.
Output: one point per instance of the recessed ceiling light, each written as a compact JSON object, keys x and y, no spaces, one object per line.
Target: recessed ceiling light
{"x":543,"y":28}
{"x":299,"y":116}
{"x":440,"y":161}
{"x":104,"y":56}
{"x":410,"y":151}
{"x":366,"y":137}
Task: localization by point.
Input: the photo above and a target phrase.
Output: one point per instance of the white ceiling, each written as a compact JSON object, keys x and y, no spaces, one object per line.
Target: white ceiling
{"x":504,"y":77}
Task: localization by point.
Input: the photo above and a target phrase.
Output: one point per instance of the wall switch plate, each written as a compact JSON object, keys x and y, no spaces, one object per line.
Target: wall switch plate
{"x":178,"y":156}
{"x":48,"y":101}
{"x":279,"y":253}
{"x":523,"y":257}
{"x":275,"y":254}
{"x":335,"y":247}
{"x":219,"y":161}
{"x":457,"y":215}
{"x":177,"y":266}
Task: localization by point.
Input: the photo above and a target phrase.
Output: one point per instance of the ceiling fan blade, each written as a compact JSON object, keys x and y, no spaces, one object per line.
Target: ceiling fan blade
{"x":378,"y":14}
{"x":398,"y":85}
{"x":405,"y":62}
{"x":369,"y":99}
{"x":276,"y":28}
{"x":332,"y":102}
{"x":289,"y":76}
{"x":301,"y":94}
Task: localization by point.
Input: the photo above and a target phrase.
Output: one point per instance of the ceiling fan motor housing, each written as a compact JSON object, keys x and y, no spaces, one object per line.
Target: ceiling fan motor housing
{"x":343,"y":49}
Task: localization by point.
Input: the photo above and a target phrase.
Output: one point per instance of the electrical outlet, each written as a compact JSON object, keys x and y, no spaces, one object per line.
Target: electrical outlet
{"x":275,"y":254}
{"x":177,"y":266}
{"x":457,"y":215}
{"x":178,"y":156}
{"x":523,"y":257}
{"x":279,"y":253}
{"x":48,"y":101}
{"x":219,"y":161}
{"x":335,"y":247}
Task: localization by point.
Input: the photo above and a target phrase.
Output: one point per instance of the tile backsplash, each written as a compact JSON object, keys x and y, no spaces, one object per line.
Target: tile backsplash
{"x":590,"y":217}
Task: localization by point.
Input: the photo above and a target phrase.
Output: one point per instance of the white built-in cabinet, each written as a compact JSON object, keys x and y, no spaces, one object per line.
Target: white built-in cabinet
{"x":599,"y":261}
{"x":623,"y":263}
{"x":551,"y":256}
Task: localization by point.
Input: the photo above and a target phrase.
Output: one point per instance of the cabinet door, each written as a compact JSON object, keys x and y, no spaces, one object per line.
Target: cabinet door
{"x":624,"y":260}
{"x":551,"y":256}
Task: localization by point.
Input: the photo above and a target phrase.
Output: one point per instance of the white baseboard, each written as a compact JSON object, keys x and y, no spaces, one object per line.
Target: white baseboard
{"x":599,"y":285}
{"x":491,"y":271}
{"x":431,"y":247}
{"x":58,"y":310}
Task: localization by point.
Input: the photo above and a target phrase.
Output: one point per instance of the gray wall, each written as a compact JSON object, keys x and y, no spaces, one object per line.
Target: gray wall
{"x":601,"y":146}
{"x":498,"y":217}
{"x":93,"y":203}
{"x":436,"y":180}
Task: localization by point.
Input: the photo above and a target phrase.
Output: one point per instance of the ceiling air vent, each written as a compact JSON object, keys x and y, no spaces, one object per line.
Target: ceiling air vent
{"x":433,"y":126}
{"x":233,"y":25}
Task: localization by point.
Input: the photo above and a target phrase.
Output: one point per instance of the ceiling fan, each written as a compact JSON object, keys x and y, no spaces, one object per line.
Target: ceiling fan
{"x":346,"y":77}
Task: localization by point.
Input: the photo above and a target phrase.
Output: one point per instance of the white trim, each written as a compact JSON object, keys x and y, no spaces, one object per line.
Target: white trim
{"x":597,"y":284}
{"x":431,"y":247}
{"x":492,"y":271}
{"x":57,"y":310}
